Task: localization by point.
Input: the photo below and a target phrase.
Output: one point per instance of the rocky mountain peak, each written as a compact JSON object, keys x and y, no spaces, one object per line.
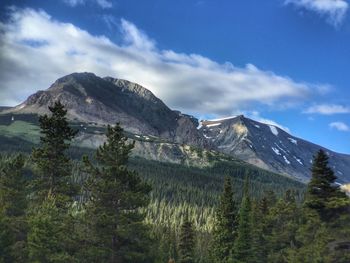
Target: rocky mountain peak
{"x":269,"y":147}
{"x":100,"y":101}
{"x":91,"y":99}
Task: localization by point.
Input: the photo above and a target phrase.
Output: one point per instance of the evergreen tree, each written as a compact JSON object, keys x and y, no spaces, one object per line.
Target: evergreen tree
{"x":258,"y":242}
{"x":53,"y":165}
{"x":263,"y":206}
{"x":242,"y":252}
{"x":186,"y":242}
{"x":325,"y":218}
{"x":49,"y":235}
{"x":13,"y":205}
{"x":323,"y":195}
{"x":166,"y":247}
{"x":118,"y":233}
{"x":53,"y":192}
{"x":283,"y":221}
{"x":225,"y":226}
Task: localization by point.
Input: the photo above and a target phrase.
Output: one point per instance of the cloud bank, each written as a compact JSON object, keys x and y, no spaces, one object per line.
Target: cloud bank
{"x":35,"y":50}
{"x":327,"y":109}
{"x":340,"y":126}
{"x":102,"y":3}
{"x":333,"y":10}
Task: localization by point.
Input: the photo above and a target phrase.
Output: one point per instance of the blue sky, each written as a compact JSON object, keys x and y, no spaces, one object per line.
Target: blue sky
{"x":282,"y":61}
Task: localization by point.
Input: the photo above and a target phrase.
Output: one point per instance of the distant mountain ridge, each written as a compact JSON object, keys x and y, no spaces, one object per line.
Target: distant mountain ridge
{"x":92,"y":99}
{"x":269,"y":147}
{"x":163,"y":133}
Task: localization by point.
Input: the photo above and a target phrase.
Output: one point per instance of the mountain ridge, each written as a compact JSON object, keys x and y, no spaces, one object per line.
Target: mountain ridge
{"x":100,"y":101}
{"x":269,"y":147}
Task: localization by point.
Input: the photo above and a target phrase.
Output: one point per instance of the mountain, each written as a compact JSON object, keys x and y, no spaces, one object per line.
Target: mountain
{"x":269,"y":147}
{"x":163,"y":134}
{"x":101,"y":101}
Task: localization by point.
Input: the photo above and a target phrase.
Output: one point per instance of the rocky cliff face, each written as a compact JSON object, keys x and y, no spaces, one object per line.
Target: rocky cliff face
{"x":165,"y":135}
{"x":269,"y":147}
{"x":102,"y":101}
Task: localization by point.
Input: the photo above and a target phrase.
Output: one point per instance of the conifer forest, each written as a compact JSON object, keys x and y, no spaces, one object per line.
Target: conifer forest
{"x":105,"y":206}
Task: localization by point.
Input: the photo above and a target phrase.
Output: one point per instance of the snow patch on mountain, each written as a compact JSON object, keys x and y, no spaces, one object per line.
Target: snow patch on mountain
{"x":279,"y":147}
{"x":286,"y":160}
{"x":298,"y":160}
{"x":223,"y":119}
{"x":292,"y":140}
{"x":273,"y":130}
{"x":276,"y":150}
{"x":213,"y":124}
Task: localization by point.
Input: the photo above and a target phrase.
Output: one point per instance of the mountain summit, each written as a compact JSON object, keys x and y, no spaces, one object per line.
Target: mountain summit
{"x":269,"y":147}
{"x":91,"y":99}
{"x":96,"y":101}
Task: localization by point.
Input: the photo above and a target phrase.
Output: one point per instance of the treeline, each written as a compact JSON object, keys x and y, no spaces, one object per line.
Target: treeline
{"x":110,"y":208}
{"x":41,"y":219}
{"x":271,"y":230}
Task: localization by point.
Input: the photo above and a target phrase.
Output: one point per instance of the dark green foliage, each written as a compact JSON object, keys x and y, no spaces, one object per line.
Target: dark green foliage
{"x":165,"y":249}
{"x":13,"y":205}
{"x":258,"y":242}
{"x":323,"y":195}
{"x":116,"y":195}
{"x":242,"y":251}
{"x":49,"y":236}
{"x":110,"y":220}
{"x":53,"y":165}
{"x":53,"y":192}
{"x":186,"y":242}
{"x":325,"y":219}
{"x":282,"y":223}
{"x":224,"y":226}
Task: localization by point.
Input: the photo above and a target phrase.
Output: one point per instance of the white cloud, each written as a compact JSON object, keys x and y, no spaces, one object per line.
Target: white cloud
{"x":35,"y":50}
{"x":327,"y":109}
{"x":333,"y":10}
{"x":74,"y":2}
{"x":340,"y":126}
{"x":255,"y":115}
{"x":102,"y":3}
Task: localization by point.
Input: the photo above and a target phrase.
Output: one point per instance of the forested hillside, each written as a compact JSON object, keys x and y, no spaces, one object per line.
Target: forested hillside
{"x":106,"y":207}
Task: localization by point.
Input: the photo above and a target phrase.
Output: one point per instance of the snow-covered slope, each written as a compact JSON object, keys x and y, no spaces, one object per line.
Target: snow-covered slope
{"x":269,"y":147}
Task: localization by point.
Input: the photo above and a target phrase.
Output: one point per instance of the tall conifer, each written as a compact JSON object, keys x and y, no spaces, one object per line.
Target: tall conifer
{"x":225,"y":225}
{"x":242,"y":252}
{"x":118,"y":232}
{"x":323,"y":195}
{"x":186,"y":242}
{"x":53,"y":173}
{"x":13,"y":205}
{"x":50,"y":220}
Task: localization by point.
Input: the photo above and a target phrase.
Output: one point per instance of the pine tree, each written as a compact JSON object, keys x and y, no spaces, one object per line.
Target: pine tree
{"x":52,"y":163}
{"x":13,"y":205}
{"x":48,"y":238}
{"x":242,"y":252}
{"x":186,"y":242}
{"x":225,"y":226}
{"x":118,"y":233}
{"x":263,"y":206}
{"x":258,"y":242}
{"x":283,"y":221}
{"x":325,"y":218}
{"x":323,"y":195}
{"x":53,"y":192}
